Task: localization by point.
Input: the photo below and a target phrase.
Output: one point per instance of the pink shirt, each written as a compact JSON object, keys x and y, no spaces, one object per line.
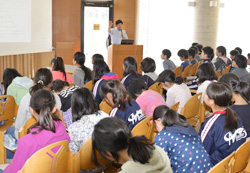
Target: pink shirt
{"x":31,"y":143}
{"x":149,"y":100}
{"x":59,"y":75}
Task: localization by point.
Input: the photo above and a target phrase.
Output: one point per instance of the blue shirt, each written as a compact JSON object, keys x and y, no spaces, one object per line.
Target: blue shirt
{"x":185,"y":64}
{"x":116,"y":37}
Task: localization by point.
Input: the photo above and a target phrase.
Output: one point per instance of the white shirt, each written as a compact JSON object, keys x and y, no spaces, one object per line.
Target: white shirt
{"x":202,"y":88}
{"x":178,"y":93}
{"x":116,"y":37}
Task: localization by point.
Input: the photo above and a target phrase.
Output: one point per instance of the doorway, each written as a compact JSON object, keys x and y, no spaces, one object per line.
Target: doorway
{"x":94,"y":28}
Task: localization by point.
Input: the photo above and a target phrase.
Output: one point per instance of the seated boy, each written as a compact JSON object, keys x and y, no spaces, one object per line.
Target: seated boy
{"x":183,"y":54}
{"x":191,"y":57}
{"x":221,"y":61}
{"x":207,"y":55}
{"x":167,"y":63}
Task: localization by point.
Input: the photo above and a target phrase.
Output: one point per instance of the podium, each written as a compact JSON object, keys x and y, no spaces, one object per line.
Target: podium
{"x":117,"y":53}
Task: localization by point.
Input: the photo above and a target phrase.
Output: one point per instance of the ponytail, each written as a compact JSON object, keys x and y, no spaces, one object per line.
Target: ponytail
{"x":241,"y":88}
{"x":231,"y":120}
{"x":140,"y":148}
{"x":36,"y":87}
{"x":88,"y":74}
{"x":179,"y":80}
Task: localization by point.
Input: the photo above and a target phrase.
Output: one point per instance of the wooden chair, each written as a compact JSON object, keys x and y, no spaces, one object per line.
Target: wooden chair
{"x":2,"y":149}
{"x":73,"y":162}
{"x":157,"y":86}
{"x":241,"y":157}
{"x":85,"y":156}
{"x":175,"y":106}
{"x":185,"y":73}
{"x":89,"y":85}
{"x":8,"y":111}
{"x":105,"y":107}
{"x":223,"y":166}
{"x":193,"y":91}
{"x":193,"y":69}
{"x":70,"y":73}
{"x":218,"y":74}
{"x":146,"y":128}
{"x":46,"y":160}
{"x":191,"y":110}
{"x":178,"y":71}
{"x":226,"y":70}
{"x":23,"y":131}
{"x":203,"y":110}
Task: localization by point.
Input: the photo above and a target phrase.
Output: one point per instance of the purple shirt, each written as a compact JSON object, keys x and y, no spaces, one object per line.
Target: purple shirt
{"x":31,"y":143}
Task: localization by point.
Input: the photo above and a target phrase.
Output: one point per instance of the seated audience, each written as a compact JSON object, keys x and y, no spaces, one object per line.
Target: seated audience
{"x":148,"y":100}
{"x":82,"y":74}
{"x":85,"y":114}
{"x":113,"y":139}
{"x":240,"y":64}
{"x":48,"y":130}
{"x":191,"y":56}
{"x":180,"y":141}
{"x":58,"y":71}
{"x":207,"y":55}
{"x":148,"y":67}
{"x":124,"y":107}
{"x":198,"y":55}
{"x":96,"y":57}
{"x":183,"y":54}
{"x":101,"y":73}
{"x":167,"y":63}
{"x":177,"y":91}
{"x":239,"y":50}
{"x":233,"y":53}
{"x":221,"y":61}
{"x":218,"y":132}
{"x":15,"y":84}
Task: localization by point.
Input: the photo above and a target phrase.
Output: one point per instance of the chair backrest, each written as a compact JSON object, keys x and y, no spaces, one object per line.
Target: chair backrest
{"x":242,"y":156}
{"x":8,"y":109}
{"x":218,"y":73}
{"x":73,"y":162}
{"x":185,"y":73}
{"x":178,"y":71}
{"x":105,"y":107}
{"x":85,"y":156}
{"x":2,"y":149}
{"x":175,"y":106}
{"x":23,"y":131}
{"x":193,"y":69}
{"x":226,"y":70}
{"x":157,"y":87}
{"x":192,"y":106}
{"x":89,"y":85}
{"x":145,"y":127}
{"x":203,"y":110}
{"x":223,"y":166}
{"x":45,"y":160}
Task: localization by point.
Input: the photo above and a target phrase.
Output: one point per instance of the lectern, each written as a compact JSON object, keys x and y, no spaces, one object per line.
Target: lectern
{"x":117,"y":53}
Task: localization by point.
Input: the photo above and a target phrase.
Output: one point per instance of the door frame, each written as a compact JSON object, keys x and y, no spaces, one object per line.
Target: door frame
{"x":93,"y":3}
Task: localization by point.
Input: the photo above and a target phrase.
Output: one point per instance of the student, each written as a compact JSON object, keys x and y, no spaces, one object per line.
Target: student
{"x":221,"y":61}
{"x":233,"y":53}
{"x":148,"y":100}
{"x":207,"y":55}
{"x":113,"y":140}
{"x":167,"y":63}
{"x":82,"y":74}
{"x":96,"y":57}
{"x":130,"y":72}
{"x":15,"y":84}
{"x":177,"y":91}
{"x":239,"y":50}
{"x":183,"y":54}
{"x":64,"y":91}
{"x":48,"y":130}
{"x":197,"y":57}
{"x":85,"y":114}
{"x":241,"y":98}
{"x":218,"y":132}
{"x":123,"y":106}
{"x":180,"y":141}
{"x":199,"y":48}
{"x":191,"y":57}
{"x":117,"y":33}
{"x":43,"y":80}
{"x":248,"y":59}
{"x":205,"y":75}
{"x":101,"y":73}
{"x":148,"y":67}
{"x":240,"y":64}
{"x":58,"y":71}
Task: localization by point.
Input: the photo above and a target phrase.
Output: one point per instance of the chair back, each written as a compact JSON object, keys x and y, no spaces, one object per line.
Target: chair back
{"x":146,"y":128}
{"x":193,"y":69}
{"x":2,"y":149}
{"x":85,"y":156}
{"x":185,"y":73}
{"x":157,"y":87}
{"x":45,"y":160}
{"x":73,"y":162}
{"x":89,"y":85}
{"x":105,"y":107}
{"x":218,"y":73}
{"x":23,"y":131}
{"x":223,"y":166}
{"x":241,"y":157}
{"x":191,"y":108}
{"x":178,"y":71}
{"x":226,"y":70}
{"x":8,"y":111}
{"x":175,"y":106}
